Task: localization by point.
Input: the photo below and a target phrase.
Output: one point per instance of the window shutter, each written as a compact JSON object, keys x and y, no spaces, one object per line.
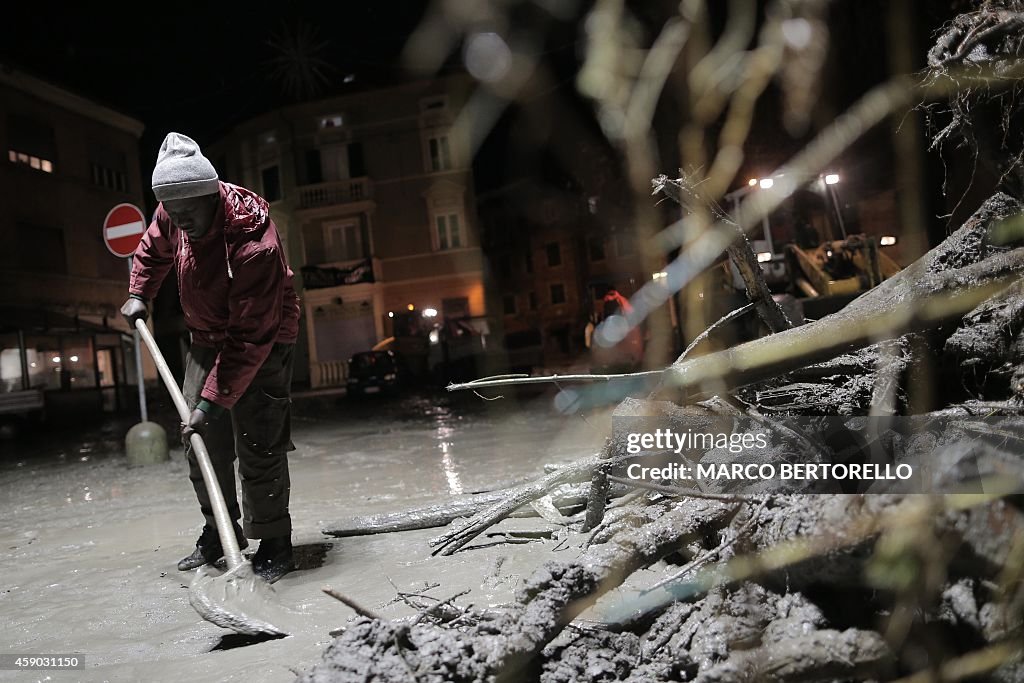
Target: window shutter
{"x":314,"y":171}
{"x":356,"y":162}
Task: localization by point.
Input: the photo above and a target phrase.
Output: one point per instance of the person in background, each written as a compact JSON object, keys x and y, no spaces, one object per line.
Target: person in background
{"x":625,"y":355}
{"x":242,"y":312}
{"x":588,"y":331}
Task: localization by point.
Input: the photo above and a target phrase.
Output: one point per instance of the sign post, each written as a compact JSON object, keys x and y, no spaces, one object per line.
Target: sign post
{"x":122,"y":231}
{"x":138,"y":362}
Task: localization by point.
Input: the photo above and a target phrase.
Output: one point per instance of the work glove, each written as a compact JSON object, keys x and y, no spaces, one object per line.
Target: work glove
{"x":200,"y":419}
{"x":134,"y":309}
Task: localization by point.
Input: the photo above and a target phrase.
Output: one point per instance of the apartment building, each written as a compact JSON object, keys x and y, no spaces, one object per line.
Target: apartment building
{"x":554,"y":255}
{"x":373,"y":195}
{"x":66,"y":162}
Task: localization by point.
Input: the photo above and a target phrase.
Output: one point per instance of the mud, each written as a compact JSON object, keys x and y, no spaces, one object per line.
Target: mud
{"x":798,"y":622}
{"x":91,"y":544}
{"x":988,"y":343}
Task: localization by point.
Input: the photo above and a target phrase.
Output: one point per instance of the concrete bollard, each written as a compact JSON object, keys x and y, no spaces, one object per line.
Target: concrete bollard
{"x":146,"y":444}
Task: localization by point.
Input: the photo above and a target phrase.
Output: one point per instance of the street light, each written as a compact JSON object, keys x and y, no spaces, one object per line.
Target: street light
{"x":429,"y":313}
{"x":831,"y":180}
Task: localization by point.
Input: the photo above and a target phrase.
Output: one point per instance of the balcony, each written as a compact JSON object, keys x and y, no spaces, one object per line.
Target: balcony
{"x":335,"y":192}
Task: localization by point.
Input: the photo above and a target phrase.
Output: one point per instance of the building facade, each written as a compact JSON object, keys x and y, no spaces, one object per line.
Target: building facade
{"x":373,"y":195}
{"x":555,"y":253}
{"x":67,"y":162}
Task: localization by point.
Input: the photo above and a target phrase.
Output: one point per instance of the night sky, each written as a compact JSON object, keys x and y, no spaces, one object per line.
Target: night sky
{"x":201,"y":71}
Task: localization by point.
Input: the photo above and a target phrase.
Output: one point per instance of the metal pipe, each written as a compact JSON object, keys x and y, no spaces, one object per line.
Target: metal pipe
{"x":220,"y":510}
{"x":143,"y":411}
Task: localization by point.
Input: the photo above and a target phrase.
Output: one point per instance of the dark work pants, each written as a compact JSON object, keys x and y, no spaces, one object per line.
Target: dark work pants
{"x":258,"y":432}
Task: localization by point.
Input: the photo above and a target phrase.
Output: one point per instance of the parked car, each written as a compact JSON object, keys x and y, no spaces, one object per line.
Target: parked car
{"x":372,"y":372}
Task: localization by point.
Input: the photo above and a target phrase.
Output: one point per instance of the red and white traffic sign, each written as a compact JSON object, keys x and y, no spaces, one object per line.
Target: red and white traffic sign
{"x":123,"y":229}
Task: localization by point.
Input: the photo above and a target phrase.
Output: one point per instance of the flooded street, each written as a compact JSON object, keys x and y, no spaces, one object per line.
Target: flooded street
{"x":90,"y":544}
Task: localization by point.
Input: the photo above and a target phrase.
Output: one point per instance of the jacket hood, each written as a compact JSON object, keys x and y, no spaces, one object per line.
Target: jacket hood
{"x":244,"y":210}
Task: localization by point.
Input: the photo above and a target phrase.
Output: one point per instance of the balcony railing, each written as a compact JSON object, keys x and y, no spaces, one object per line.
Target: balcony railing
{"x":330,"y":373}
{"x":334,"y":192}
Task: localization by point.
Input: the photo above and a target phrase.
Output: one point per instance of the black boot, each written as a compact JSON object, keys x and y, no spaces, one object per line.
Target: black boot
{"x":273,"y":559}
{"x":208,"y":548}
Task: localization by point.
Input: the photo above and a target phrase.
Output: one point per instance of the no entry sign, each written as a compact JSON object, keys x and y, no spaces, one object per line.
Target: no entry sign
{"x":123,"y":228}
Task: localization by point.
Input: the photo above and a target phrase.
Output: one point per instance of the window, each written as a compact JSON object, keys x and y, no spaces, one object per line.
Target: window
{"x":356,"y":162}
{"x":31,"y":142}
{"x":554,"y":253}
{"x":595,"y":249}
{"x":44,"y":165}
{"x":271,"y":178}
{"x":509,"y":304}
{"x":332,"y":121}
{"x":344,"y":241}
{"x":449,"y":235}
{"x":557,"y":294}
{"x":335,"y":162}
{"x":314,"y":168}
{"x":440,"y":153}
{"x":560,"y":336}
{"x":533,"y":301}
{"x":44,"y":361}
{"x":110,"y":178}
{"x":624,"y":244}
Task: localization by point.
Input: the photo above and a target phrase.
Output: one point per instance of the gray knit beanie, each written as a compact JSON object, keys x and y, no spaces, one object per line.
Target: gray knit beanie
{"x":182,"y":171}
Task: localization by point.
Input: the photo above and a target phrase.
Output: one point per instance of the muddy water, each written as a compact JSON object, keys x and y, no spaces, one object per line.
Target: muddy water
{"x":90,"y":545}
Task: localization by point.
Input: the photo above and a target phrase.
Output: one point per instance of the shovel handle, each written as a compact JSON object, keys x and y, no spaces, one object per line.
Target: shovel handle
{"x":220,"y":510}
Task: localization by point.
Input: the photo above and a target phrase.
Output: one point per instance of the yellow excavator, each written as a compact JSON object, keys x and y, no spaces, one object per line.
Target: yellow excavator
{"x":837,"y":267}
{"x":823,"y":273}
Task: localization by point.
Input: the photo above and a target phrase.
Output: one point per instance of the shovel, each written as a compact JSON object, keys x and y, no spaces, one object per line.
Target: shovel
{"x":238,"y":599}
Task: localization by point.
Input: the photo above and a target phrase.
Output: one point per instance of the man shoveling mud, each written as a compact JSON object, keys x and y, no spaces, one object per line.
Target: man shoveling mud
{"x":242,"y":312}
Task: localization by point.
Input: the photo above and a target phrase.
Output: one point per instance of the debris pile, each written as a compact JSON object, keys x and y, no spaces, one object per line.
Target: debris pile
{"x":814,"y":582}
{"x":773,"y":586}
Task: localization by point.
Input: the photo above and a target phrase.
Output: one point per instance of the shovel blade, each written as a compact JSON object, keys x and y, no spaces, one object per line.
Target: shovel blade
{"x":238,"y":600}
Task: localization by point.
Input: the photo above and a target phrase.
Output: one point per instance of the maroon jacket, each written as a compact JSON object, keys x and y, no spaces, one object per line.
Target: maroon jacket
{"x":235,"y":286}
